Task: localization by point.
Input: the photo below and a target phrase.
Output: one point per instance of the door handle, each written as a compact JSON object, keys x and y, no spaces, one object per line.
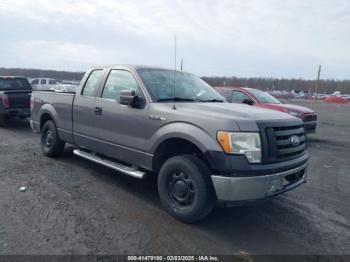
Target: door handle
{"x":98,"y":111}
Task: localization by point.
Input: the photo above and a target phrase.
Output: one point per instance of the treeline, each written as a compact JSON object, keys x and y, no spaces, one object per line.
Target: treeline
{"x":35,"y":73}
{"x":325,"y":86}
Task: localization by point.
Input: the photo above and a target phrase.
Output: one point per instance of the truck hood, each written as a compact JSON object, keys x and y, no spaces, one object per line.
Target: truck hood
{"x":212,"y":117}
{"x":231,"y":111}
{"x":288,"y":107}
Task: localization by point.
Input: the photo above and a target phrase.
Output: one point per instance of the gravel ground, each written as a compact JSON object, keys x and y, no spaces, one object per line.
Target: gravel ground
{"x":72,"y":206}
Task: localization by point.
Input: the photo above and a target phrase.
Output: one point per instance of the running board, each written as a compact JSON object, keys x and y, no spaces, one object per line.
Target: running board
{"x":131,"y":171}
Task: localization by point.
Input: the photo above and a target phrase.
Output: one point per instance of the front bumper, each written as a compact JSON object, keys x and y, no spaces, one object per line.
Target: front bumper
{"x":310,"y":127}
{"x":253,"y":188}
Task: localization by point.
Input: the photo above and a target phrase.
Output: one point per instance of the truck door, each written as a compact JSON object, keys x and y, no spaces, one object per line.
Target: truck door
{"x":85,"y":114}
{"x":120,"y":126}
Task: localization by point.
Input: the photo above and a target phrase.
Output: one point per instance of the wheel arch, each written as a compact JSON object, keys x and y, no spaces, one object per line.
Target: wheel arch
{"x":47,"y":112}
{"x":180,"y":138}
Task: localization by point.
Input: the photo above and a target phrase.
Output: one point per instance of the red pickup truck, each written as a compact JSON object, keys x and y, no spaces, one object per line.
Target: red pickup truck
{"x":262,"y":99}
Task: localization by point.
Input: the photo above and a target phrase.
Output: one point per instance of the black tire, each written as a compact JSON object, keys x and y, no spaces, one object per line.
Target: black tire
{"x":51,"y":145}
{"x":185,"y":188}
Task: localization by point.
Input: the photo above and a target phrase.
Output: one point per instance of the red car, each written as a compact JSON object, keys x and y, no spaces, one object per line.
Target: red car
{"x":262,"y":99}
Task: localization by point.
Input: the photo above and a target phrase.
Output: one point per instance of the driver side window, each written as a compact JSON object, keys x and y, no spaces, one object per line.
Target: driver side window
{"x":238,"y":97}
{"x":117,"y":81}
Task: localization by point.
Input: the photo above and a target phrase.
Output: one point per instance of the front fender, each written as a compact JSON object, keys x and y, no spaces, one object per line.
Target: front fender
{"x":183,"y":130}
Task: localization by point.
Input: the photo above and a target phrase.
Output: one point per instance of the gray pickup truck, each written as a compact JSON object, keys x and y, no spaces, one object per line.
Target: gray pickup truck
{"x":153,"y":121}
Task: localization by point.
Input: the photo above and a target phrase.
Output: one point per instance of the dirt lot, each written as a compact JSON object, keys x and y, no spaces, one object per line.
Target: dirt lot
{"x":72,"y":206}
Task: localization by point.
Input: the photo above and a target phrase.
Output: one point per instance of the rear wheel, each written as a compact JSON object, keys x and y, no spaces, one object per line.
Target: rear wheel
{"x":51,"y":145}
{"x":185,"y":188}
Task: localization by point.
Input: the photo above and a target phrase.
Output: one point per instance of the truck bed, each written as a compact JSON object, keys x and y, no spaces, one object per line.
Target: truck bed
{"x":61,"y":103}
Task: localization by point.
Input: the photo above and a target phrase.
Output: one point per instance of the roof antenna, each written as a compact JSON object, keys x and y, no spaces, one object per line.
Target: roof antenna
{"x":174,"y":94}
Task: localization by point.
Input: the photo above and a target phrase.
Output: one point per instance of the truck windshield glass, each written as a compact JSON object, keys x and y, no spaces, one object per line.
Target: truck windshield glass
{"x":188,"y":87}
{"x":264,"y":97}
{"x":14,"y":84}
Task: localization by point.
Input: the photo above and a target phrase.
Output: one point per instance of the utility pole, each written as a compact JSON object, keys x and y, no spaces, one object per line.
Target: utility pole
{"x":182,"y":62}
{"x":318,"y":79}
{"x":175,"y":54}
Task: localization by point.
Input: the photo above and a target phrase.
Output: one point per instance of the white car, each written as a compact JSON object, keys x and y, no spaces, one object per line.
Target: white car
{"x":322,"y":96}
{"x":43,"y":83}
{"x":336,"y":93}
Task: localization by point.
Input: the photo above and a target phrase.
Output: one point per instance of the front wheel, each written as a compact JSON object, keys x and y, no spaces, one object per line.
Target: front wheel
{"x":51,"y":145}
{"x":185,"y":188}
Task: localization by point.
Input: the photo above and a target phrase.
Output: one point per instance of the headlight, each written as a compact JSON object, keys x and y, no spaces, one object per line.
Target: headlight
{"x":248,"y":144}
{"x":293,"y":113}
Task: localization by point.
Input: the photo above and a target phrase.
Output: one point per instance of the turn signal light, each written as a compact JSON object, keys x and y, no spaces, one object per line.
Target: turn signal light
{"x":224,"y":140}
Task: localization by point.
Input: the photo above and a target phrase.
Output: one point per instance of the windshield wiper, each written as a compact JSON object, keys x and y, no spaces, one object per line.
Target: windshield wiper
{"x":175,"y":99}
{"x":213,"y":100}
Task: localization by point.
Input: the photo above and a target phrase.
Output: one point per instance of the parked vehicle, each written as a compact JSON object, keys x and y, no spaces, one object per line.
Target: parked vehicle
{"x":262,"y":99}
{"x":346,"y":96}
{"x":319,"y":96}
{"x":151,"y":121}
{"x":285,"y":94}
{"x":43,"y":83}
{"x":336,"y":99}
{"x":14,"y":98}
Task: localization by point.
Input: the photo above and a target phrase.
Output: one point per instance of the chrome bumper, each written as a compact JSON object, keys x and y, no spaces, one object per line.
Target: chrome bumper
{"x":235,"y":189}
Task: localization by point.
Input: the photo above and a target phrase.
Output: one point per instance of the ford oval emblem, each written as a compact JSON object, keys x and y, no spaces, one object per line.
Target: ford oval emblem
{"x":295,"y":140}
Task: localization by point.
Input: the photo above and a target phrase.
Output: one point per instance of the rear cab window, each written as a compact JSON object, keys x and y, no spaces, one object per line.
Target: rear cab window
{"x":14,"y":84}
{"x":91,"y":84}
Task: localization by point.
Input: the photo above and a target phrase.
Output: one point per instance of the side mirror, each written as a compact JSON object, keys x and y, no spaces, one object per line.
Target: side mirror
{"x":248,"y":102}
{"x":130,"y":98}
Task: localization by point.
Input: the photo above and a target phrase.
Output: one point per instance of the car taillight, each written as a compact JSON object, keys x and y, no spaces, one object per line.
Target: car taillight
{"x":31,"y":103}
{"x":5,"y":101}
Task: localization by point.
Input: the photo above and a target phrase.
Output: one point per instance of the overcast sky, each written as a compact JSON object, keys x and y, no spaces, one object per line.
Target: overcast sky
{"x":270,"y":38}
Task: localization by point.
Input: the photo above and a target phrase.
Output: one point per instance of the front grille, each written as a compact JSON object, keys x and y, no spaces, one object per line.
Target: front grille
{"x":283,"y":136}
{"x":279,"y":142}
{"x":310,"y":118}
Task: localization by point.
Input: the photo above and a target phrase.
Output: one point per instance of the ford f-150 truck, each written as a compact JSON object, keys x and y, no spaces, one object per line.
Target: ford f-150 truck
{"x":153,"y":121}
{"x":14,"y":98}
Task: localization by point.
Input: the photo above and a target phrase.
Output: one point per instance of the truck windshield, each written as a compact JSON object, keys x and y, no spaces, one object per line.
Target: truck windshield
{"x":168,"y":85}
{"x":264,"y":97}
{"x":14,"y":84}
